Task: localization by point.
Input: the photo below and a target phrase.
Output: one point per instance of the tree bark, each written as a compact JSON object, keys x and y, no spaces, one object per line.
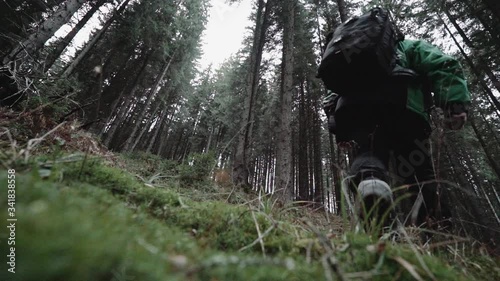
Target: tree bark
{"x":64,"y":42}
{"x":284,"y":185}
{"x":342,"y":10}
{"x":164,"y":134}
{"x":144,"y":129}
{"x":482,"y":64}
{"x":319,"y":196}
{"x":241,"y":161}
{"x":147,"y":103}
{"x":157,"y":130}
{"x":303,"y":168}
{"x":494,"y":165}
{"x":492,"y":131}
{"x":122,"y":112}
{"x":473,"y":68}
{"x":83,"y":53}
{"x":118,"y":122}
{"x":36,"y":40}
{"x":336,"y":174}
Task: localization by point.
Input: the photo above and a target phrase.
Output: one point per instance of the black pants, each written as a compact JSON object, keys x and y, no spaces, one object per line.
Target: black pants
{"x":377,"y":131}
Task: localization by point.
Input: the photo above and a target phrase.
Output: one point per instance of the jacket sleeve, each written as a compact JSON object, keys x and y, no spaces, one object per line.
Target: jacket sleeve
{"x":445,"y":73}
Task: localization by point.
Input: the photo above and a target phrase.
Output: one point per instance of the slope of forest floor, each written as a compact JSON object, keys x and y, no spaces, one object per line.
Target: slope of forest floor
{"x":84,"y":213}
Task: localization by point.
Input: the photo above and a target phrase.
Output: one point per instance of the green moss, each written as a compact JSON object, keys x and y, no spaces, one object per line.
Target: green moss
{"x":259,"y":269}
{"x":147,"y":164}
{"x":216,"y":224}
{"x":93,"y":172}
{"x":84,"y":233}
{"x":196,"y":169}
{"x":89,"y":221}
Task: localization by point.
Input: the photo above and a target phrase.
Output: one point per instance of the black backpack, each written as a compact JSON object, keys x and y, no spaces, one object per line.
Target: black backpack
{"x":361,"y":53}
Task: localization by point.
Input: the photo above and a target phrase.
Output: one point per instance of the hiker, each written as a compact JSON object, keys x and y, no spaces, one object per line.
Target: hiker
{"x":380,"y":104}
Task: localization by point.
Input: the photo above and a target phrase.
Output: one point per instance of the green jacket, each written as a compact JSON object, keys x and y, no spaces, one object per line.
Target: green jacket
{"x":444,"y":72}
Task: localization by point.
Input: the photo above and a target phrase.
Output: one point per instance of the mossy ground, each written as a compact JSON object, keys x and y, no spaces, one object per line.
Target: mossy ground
{"x":139,"y":218}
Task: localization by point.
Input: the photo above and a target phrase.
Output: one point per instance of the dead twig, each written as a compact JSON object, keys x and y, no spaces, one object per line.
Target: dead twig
{"x":259,"y":239}
{"x":329,"y":260}
{"x":446,"y":243}
{"x":231,"y":194}
{"x":259,"y":233}
{"x":415,"y":251}
{"x":32,"y":143}
{"x":409,"y":267}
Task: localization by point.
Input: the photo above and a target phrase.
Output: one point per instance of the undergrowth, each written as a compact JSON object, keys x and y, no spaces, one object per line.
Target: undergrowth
{"x":140,"y":217}
{"x":85,"y":219}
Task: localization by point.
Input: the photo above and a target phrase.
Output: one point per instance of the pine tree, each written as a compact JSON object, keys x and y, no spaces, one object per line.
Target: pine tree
{"x":37,"y":39}
{"x":95,"y":38}
{"x":284,"y":184}
{"x":18,"y":18}
{"x":61,"y":44}
{"x":241,"y":160}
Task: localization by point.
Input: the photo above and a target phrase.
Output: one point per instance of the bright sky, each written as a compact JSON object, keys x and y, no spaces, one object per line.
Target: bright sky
{"x":223,"y":36}
{"x":225,"y":30}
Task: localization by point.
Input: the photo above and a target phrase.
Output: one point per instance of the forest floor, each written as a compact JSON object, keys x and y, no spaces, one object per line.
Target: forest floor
{"x":84,"y":213}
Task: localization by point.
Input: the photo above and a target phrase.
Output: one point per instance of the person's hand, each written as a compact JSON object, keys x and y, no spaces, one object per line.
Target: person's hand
{"x":456,"y":121}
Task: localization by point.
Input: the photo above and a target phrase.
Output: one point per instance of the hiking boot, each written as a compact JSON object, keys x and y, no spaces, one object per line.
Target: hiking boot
{"x":375,"y":197}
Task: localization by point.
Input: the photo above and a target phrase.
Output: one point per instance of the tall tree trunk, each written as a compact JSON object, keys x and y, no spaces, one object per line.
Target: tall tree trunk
{"x":283,"y":137}
{"x":486,"y":220}
{"x":36,"y":40}
{"x":493,"y":163}
{"x":318,"y":165}
{"x":164,"y":136}
{"x":473,"y":68}
{"x":336,"y":174}
{"x":492,"y":131}
{"x":478,"y":12}
{"x":120,"y":118}
{"x":482,"y":64}
{"x":303,"y":168}
{"x":127,"y":92}
{"x":240,"y":162}
{"x":310,"y":147}
{"x":342,"y":10}
{"x":265,"y":171}
{"x":64,"y":42}
{"x":83,"y":53}
{"x":128,"y":88}
{"x":17,"y":16}
{"x":147,"y":103}
{"x":177,"y":147}
{"x":157,"y":129}
{"x":144,"y":129}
